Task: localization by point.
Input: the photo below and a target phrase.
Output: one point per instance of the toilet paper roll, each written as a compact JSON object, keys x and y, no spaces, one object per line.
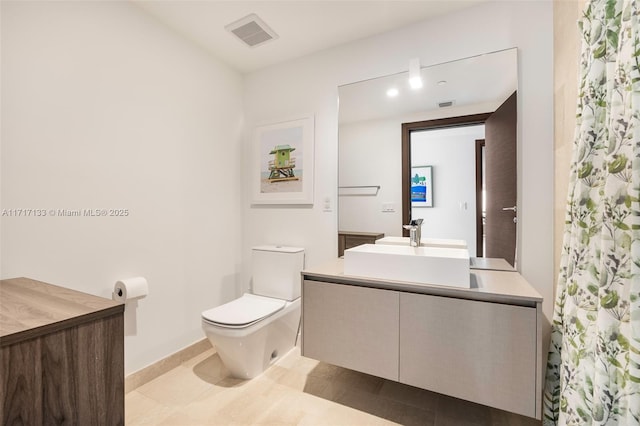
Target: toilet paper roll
{"x":130,"y":288}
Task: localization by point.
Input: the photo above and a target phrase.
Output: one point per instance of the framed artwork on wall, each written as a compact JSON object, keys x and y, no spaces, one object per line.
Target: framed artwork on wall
{"x":282,"y":166}
{"x":422,"y":186}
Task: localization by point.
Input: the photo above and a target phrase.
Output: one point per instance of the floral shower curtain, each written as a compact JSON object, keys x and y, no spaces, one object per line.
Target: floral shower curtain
{"x":593,"y":370}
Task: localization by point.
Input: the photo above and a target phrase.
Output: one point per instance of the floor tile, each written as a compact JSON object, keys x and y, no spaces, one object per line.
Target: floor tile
{"x":190,"y":363}
{"x":210,"y":369}
{"x":503,"y":418}
{"x":297,"y":391}
{"x":409,"y":395}
{"x":452,"y":411}
{"x":142,"y":410}
{"x":178,"y":387}
{"x":386,"y":409}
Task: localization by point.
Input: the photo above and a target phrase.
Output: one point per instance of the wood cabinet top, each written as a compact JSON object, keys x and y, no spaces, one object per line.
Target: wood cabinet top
{"x":30,"y":308}
{"x":362,"y":234}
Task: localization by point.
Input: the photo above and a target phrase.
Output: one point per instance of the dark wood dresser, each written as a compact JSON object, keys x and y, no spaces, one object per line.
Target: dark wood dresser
{"x":347,"y":240}
{"x":61,"y":356}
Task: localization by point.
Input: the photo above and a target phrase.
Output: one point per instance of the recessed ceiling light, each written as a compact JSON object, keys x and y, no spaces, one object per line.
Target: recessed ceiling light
{"x":442,"y":82}
{"x":392,"y":93}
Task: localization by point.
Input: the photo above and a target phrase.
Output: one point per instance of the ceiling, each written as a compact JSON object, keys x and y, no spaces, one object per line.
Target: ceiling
{"x":303,"y":26}
{"x":485,"y":79}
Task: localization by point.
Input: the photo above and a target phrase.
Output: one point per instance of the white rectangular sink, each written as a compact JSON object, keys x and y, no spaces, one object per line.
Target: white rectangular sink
{"x":424,"y":242}
{"x":422,"y":265}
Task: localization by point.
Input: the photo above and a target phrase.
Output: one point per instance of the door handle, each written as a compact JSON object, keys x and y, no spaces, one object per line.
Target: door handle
{"x":513,"y":209}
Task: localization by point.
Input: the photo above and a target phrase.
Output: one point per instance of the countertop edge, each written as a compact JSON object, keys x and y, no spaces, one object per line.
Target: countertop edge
{"x":435,"y":290}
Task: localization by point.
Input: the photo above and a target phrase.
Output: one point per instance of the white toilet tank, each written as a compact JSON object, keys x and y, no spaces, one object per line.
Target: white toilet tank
{"x":276,"y":271}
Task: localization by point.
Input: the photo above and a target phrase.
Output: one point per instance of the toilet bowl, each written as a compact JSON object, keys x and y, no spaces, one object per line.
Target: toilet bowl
{"x":254,"y":331}
{"x":248,"y":349}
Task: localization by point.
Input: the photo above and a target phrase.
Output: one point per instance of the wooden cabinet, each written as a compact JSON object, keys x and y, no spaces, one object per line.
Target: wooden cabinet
{"x":347,"y":240}
{"x":477,"y":351}
{"x":352,"y":327}
{"x":61,"y":356}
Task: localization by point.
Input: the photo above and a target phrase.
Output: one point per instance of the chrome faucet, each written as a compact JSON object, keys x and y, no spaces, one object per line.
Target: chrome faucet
{"x":415,"y":232}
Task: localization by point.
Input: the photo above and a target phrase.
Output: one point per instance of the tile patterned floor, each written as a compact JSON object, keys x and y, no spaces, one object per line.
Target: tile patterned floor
{"x":296,"y":391}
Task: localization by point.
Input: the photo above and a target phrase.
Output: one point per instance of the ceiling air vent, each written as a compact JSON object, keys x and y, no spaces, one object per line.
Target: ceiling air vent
{"x":252,"y":30}
{"x":445,"y":104}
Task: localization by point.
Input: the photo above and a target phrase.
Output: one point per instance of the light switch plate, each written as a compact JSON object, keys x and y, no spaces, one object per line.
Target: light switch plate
{"x":388,"y":207}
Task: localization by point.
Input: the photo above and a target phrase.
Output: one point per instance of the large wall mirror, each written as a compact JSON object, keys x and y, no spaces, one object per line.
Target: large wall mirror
{"x":431,"y":152}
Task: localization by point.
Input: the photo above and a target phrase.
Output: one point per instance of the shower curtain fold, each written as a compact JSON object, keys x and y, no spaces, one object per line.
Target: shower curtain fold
{"x":593,"y":369}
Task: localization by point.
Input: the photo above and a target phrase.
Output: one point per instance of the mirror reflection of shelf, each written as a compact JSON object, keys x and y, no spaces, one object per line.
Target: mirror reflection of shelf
{"x":358,"y":190}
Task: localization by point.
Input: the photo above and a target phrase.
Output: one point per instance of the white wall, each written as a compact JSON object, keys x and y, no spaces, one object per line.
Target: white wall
{"x":369,"y":155}
{"x":310,"y":85}
{"x":452,"y":154}
{"x":102,"y":107}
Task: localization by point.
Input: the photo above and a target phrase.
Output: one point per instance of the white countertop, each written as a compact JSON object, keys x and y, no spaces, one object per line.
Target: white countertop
{"x":491,"y":264}
{"x":498,"y":286}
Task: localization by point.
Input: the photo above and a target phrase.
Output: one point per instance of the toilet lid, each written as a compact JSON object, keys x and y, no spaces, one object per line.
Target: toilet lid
{"x":243,"y":311}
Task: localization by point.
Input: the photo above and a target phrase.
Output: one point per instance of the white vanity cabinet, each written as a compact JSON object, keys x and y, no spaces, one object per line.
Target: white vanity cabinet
{"x":477,"y":351}
{"x":481,"y":344}
{"x":366,"y":342}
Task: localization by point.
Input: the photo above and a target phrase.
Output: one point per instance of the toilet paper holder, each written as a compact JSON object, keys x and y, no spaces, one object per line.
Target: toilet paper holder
{"x":130,"y":289}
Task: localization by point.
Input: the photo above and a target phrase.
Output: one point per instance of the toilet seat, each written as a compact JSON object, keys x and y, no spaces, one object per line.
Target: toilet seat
{"x":243,"y":312}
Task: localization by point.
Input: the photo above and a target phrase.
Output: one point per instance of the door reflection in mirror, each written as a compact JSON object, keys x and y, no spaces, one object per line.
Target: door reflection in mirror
{"x":451,"y":154}
{"x":474,"y":165}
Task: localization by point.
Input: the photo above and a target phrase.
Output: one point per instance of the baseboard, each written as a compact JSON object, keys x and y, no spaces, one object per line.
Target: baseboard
{"x":140,"y":377}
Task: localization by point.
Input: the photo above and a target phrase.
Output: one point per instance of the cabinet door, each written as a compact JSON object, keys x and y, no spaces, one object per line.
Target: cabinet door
{"x":352,"y":327}
{"x":477,"y":351}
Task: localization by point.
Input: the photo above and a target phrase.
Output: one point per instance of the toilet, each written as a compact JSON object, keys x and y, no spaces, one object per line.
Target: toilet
{"x":254,"y":331}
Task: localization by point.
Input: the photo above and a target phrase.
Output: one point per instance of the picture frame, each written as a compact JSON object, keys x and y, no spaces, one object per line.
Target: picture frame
{"x":282,"y":169}
{"x":421,"y":186}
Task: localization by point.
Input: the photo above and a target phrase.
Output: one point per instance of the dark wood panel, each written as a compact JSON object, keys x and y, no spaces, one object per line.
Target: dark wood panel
{"x":501,"y":181}
{"x":59,"y":366}
{"x":73,"y":377}
{"x":71,"y":370}
{"x":21,"y":384}
{"x":101,"y":372}
{"x":341,"y":245}
{"x":354,"y":241}
{"x":480,"y":143}
{"x":347,"y":240}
